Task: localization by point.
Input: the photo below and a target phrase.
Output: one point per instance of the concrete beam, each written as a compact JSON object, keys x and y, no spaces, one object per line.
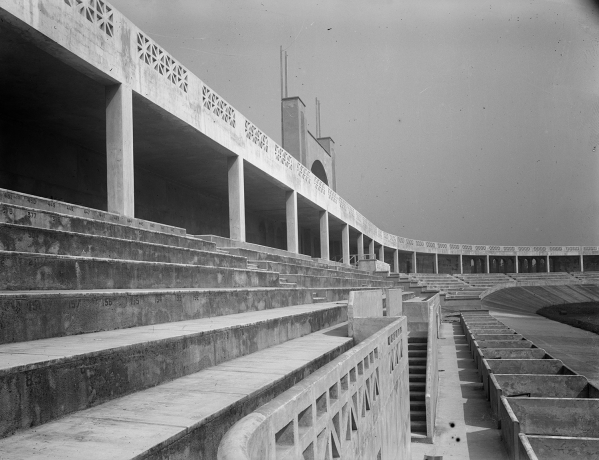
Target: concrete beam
{"x":292,"y":221}
{"x":119,"y":150}
{"x":236,"y":199}
{"x":324,"y":235}
{"x":345,"y":243}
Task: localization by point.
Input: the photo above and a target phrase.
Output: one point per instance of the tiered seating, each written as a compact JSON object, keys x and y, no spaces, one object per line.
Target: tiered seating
{"x":587,"y":277}
{"x":439,"y":282}
{"x":484,"y":280}
{"x":553,"y":276}
{"x":138,"y":339}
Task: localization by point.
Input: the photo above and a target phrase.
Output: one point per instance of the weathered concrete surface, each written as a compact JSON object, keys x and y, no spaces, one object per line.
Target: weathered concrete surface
{"x":374,"y":265}
{"x":419,"y":314}
{"x":464,"y":429}
{"x":365,"y":327}
{"x":507,"y":353}
{"x":336,"y":412}
{"x":533,"y":447}
{"x":45,"y":379}
{"x":181,"y":419}
{"x":394,"y":302}
{"x":364,"y":304}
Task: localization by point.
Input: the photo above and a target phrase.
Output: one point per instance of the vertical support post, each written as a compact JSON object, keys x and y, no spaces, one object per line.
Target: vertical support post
{"x":292,"y":221}
{"x":461,"y":264}
{"x":371,"y":250}
{"x":395,"y":261}
{"x":547,"y":268}
{"x":382,"y":253}
{"x":345,"y":243}
{"x":414,"y":260}
{"x":581,"y":262}
{"x":324,"y":235}
{"x":516,"y":264}
{"x":436,"y":263}
{"x":488,"y":266}
{"x":360,"y":246}
{"x":119,"y":150}
{"x":236,"y":199}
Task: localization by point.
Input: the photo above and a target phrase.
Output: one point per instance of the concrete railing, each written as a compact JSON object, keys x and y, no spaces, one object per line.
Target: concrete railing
{"x":362,"y":396}
{"x":432,"y":366}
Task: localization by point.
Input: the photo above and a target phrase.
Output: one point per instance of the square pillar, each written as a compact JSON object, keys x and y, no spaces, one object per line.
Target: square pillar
{"x":382,"y":253}
{"x":547,"y":264}
{"x":324,"y":235}
{"x":516,"y":264}
{"x":236,"y":199}
{"x":414,"y":260}
{"x":291,"y":221}
{"x":395,"y":261}
{"x":581,"y":263}
{"x":371,"y":250}
{"x":345,"y":244}
{"x":461,"y":265}
{"x":488,"y":267}
{"x":360,"y":246}
{"x":436,"y":263}
{"x":119,"y":150}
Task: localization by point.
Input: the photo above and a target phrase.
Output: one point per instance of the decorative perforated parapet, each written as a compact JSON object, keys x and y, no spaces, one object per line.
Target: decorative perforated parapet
{"x":283,"y":157}
{"x":466,"y":247}
{"x":218,"y":106}
{"x":304,"y":173}
{"x":540,"y":249}
{"x":319,"y":185}
{"x":419,"y":243}
{"x":430,"y":245}
{"x":480,"y":248}
{"x":256,"y":136}
{"x":333,"y":196}
{"x":159,"y":60}
{"x":410,"y":242}
{"x":572,"y":248}
{"x":356,"y":407}
{"x":523,"y":248}
{"x":97,"y":12}
{"x":509,"y":248}
{"x":556,"y":248}
{"x":454,"y":247}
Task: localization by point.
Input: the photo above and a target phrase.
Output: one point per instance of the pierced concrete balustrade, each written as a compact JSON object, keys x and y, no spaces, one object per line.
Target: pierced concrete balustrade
{"x":353,"y":408}
{"x":563,"y":417}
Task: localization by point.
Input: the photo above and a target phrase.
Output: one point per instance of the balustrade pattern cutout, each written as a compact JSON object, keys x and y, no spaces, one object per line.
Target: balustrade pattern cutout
{"x":480,"y":248}
{"x":256,"y":136}
{"x":430,"y":245}
{"x":304,"y":173}
{"x":283,"y":157}
{"x":218,"y":106}
{"x":495,"y":248}
{"x":97,"y":12}
{"x":556,"y":248}
{"x":154,"y":56}
{"x":572,"y":248}
{"x":319,"y":185}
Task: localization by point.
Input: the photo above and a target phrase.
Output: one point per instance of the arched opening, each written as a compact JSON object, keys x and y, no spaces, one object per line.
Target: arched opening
{"x":494,"y":266}
{"x":525,"y":266}
{"x":509,"y":267}
{"x":502,"y":266}
{"x":542,"y":267}
{"x":479,"y":266}
{"x":533,"y":266}
{"x":318,"y":170}
{"x":472,"y":267}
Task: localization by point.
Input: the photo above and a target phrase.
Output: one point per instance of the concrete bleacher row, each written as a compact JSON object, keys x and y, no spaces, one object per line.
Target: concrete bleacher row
{"x":141,"y":340}
{"x":543,"y":408}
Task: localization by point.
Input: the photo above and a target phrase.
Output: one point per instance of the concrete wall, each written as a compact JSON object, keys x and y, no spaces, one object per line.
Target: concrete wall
{"x":356,"y":407}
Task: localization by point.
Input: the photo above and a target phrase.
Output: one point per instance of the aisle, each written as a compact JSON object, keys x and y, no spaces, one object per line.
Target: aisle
{"x":464,"y":428}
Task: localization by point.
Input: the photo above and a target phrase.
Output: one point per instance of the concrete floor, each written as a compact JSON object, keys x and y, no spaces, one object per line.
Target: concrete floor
{"x":464,"y":428}
{"x":577,"y":348}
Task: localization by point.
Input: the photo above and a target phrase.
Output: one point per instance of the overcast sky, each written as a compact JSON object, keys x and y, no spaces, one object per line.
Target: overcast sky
{"x":462,"y":121}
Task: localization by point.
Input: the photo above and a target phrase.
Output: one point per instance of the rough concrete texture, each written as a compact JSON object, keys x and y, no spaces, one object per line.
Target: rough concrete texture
{"x":394,"y":302}
{"x":418,"y":312}
{"x":193,"y":411}
{"x":364,"y":304}
{"x":353,"y":408}
{"x":464,"y":428}
{"x":533,"y":447}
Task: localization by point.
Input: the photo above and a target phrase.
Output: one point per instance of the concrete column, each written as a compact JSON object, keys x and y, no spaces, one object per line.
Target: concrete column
{"x":236,"y":199}
{"x":360,"y":246}
{"x":292,"y":222}
{"x":516,"y":264}
{"x":324,"y":235}
{"x":345,"y":243}
{"x":436,"y":263}
{"x":414,"y":260}
{"x":119,"y":150}
{"x":371,"y":249}
{"x":382,"y":253}
{"x":488,"y":266}
{"x":395,"y":261}
{"x":461,"y":265}
{"x":547,"y":264}
{"x":581,"y":263}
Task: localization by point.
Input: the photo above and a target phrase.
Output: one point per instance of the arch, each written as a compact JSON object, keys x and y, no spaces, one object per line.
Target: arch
{"x":509,"y":267}
{"x":525,"y":266}
{"x":319,"y":171}
{"x":479,"y":266}
{"x":533,"y":266}
{"x":494,"y":266}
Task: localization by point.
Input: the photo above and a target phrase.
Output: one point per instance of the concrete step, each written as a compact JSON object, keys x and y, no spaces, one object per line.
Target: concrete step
{"x":417,"y":378}
{"x":50,"y":378}
{"x":317,"y":270}
{"x":417,"y":406}
{"x":417,"y":353}
{"x":29,"y":217}
{"x":45,"y":204}
{"x":48,"y":241}
{"x":417,"y":395}
{"x":33,"y":315}
{"x":414,"y":340}
{"x":170,"y":420}
{"x":418,"y":386}
{"x":23,"y":271}
{"x":418,"y":426}
{"x":416,"y":361}
{"x":418,"y":415}
{"x":323,"y":281}
{"x":417,"y":370}
{"x":416,"y":347}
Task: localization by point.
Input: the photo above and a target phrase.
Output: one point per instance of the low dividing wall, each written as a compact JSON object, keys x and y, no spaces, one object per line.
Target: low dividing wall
{"x":355,"y":407}
{"x":557,"y":447}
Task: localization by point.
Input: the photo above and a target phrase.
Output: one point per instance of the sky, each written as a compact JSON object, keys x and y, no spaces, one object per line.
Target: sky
{"x":459,"y":121}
